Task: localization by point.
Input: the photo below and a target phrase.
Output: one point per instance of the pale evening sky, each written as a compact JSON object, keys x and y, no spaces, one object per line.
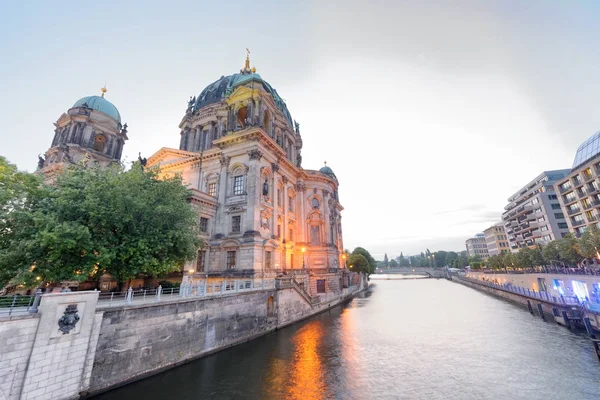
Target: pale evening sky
{"x":431,"y":113}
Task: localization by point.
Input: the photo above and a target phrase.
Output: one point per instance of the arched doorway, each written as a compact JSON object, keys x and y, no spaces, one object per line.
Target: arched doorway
{"x":270,"y":307}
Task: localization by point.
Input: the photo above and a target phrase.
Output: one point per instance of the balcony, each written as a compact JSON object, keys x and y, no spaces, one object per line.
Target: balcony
{"x":587,"y":206}
{"x":577,"y":181}
{"x":527,"y":235}
{"x":588,"y":177}
{"x":581,"y":193}
{"x":572,"y":211}
{"x":569,"y":200}
{"x":597,"y":168}
{"x":577,"y":223}
{"x":592,"y":190}
{"x":596,"y":202}
{"x":593,"y":218}
{"x":564,"y":189}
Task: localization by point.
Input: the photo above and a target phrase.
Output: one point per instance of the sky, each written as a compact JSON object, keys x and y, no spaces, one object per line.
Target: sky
{"x":431,"y":113}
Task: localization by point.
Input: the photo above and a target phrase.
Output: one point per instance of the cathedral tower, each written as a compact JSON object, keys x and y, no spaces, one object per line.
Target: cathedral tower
{"x":91,"y":129}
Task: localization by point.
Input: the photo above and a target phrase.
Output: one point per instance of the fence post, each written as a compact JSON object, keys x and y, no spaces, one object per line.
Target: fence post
{"x":223,"y":286}
{"x":158,"y":292}
{"x":129,"y":296}
{"x":36,"y":302}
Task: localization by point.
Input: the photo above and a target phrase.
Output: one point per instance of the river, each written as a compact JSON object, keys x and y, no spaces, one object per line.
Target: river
{"x":402,"y":339}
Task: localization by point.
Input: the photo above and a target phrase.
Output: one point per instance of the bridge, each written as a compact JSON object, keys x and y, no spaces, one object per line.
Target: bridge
{"x":422,"y":271}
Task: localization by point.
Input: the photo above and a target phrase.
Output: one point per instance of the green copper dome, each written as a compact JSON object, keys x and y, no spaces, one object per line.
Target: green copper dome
{"x":328,"y":171}
{"x":224,"y":86}
{"x":99,"y":103}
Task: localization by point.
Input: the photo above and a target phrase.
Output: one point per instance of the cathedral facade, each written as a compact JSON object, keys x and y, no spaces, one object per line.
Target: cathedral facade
{"x":260,"y":213}
{"x":259,"y":210}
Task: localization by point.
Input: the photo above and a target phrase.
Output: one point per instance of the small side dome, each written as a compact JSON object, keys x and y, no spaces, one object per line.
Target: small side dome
{"x":327,"y":171}
{"x":99,"y":103}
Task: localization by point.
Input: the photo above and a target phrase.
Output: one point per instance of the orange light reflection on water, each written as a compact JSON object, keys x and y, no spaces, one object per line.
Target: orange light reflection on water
{"x":307,"y":381}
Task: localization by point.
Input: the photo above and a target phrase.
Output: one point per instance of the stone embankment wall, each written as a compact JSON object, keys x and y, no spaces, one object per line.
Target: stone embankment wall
{"x":136,"y":341}
{"x":74,"y":346}
{"x":506,"y":295}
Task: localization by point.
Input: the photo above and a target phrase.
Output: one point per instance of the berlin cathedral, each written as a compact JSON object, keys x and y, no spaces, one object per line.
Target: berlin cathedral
{"x":240,"y":154}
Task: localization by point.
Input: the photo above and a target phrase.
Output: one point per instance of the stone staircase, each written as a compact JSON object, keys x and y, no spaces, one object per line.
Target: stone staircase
{"x":287,"y":282}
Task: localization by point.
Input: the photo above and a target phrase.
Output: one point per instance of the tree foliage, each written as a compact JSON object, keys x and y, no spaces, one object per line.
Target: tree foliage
{"x":99,"y":220}
{"x":371,"y":263}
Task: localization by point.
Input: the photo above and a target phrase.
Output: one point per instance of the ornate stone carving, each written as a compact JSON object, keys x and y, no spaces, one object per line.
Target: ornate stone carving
{"x":225,"y":160}
{"x":325,"y":192}
{"x":300,"y":187}
{"x":255,"y":154}
{"x":284,"y":179}
{"x":67,"y":322}
{"x":41,"y":162}
{"x":275,"y":167}
{"x":265,"y":190}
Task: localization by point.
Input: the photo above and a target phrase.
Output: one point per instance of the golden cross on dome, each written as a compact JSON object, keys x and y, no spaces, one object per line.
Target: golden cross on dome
{"x":103,"y":89}
{"x":325,"y":163}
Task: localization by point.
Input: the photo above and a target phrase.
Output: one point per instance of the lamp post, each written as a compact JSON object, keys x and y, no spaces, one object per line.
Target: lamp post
{"x":344,"y":260}
{"x":303,"y":258}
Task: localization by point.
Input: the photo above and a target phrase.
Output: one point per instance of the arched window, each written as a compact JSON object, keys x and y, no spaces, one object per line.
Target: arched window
{"x":315,"y":202}
{"x":99,"y":143}
{"x":242,"y":114}
{"x":270,"y":307}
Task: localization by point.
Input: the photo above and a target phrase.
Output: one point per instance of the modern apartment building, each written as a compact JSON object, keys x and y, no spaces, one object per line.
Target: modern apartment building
{"x":496,"y":239}
{"x":579,"y":192}
{"x":476,"y":246}
{"x":534,"y":214}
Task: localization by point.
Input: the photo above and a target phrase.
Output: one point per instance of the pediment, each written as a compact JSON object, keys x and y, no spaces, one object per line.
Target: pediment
{"x":167,"y":157}
{"x":241,"y":93}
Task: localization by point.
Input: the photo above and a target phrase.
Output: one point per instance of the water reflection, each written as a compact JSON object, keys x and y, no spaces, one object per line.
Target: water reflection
{"x":306,"y":380}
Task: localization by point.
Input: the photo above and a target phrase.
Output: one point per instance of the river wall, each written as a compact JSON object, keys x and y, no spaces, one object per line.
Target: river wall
{"x":74,"y":346}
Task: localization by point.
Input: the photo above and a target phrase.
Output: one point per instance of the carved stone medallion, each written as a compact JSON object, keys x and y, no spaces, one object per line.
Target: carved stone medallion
{"x":67,"y":322}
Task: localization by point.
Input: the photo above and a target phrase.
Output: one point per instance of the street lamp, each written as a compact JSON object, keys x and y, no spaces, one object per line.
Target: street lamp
{"x":303,"y":258}
{"x":344,"y":259}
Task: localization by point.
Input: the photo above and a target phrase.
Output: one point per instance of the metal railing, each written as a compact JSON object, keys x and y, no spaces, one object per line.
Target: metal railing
{"x":545,"y":296}
{"x":18,"y":305}
{"x":547,"y":270}
{"x":186,"y":290}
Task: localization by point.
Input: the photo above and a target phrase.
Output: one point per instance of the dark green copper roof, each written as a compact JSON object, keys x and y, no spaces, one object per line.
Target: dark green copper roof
{"x":223,"y":87}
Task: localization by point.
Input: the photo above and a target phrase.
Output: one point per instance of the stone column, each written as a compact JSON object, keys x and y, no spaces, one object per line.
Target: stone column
{"x":325,"y":235}
{"x":222,"y":195}
{"x":300,"y":214}
{"x":254,"y":186}
{"x":275,"y":169}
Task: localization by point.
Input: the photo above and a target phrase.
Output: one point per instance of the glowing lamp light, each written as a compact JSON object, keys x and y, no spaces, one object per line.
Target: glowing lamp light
{"x":37,"y":278}
{"x":303,"y":249}
{"x":191,"y":271}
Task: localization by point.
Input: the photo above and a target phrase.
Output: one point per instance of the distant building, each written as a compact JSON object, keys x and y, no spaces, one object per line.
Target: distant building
{"x":496,"y":239}
{"x":534,"y":214}
{"x":476,"y":246}
{"x":579,"y":192}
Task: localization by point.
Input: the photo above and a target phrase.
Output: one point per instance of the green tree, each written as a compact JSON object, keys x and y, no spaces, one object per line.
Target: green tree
{"x":450,"y":258}
{"x":510,"y":260}
{"x":386,"y":261}
{"x":589,"y":243}
{"x":102,"y":220}
{"x":359,"y":263}
{"x":550,"y":252}
{"x":495,"y":262}
{"x":568,"y":248}
{"x":368,"y":257}
{"x":524,"y":258}
{"x":536,"y":257}
{"x":393,"y":263}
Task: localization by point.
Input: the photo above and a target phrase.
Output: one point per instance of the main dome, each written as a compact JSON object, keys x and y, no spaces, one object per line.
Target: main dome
{"x":587,"y":150}
{"x":99,"y":103}
{"x":222,"y":87}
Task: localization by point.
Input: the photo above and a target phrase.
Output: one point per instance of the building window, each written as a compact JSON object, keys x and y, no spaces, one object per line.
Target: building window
{"x":231,"y":259}
{"x":538,"y":210}
{"x":544,"y":228}
{"x":315,"y":202}
{"x":320,"y":285}
{"x":268,"y":258}
{"x":278,"y":230}
{"x":563,"y":225}
{"x":201,"y":260}
{"x":290,"y":204}
{"x":535,"y":201}
{"x":541,"y":219}
{"x":203,"y":224}
{"x":236,"y":224}
{"x":291,"y":237}
{"x":555,"y":206}
{"x":212,"y":189}
{"x":291,"y":261}
{"x":238,"y":184}
{"x":99,"y":143}
{"x":552,"y":197}
{"x":559,"y":216}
